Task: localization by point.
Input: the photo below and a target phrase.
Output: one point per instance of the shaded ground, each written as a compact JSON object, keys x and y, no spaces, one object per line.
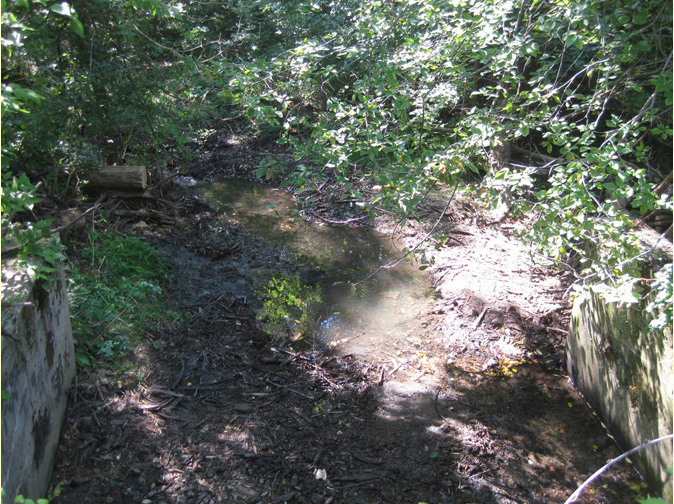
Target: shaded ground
{"x":471,"y":406}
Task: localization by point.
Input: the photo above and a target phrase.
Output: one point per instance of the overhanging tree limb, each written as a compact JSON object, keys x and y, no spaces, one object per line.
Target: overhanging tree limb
{"x":395,"y":262}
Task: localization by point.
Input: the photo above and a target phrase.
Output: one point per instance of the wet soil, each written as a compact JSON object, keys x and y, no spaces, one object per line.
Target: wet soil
{"x":470,"y":404}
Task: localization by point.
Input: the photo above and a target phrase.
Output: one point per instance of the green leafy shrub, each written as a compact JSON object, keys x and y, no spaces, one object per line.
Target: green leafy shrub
{"x":410,"y":93}
{"x":289,"y":307}
{"x":36,"y":249}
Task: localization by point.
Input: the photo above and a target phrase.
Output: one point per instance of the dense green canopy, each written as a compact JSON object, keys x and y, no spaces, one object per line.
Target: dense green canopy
{"x":557,"y":107}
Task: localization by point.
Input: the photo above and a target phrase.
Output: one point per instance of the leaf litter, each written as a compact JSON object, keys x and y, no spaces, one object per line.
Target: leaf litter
{"x":471,"y":406}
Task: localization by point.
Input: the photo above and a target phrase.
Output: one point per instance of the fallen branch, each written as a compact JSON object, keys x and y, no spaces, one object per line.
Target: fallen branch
{"x":601,"y":471}
{"x":663,"y":185}
{"x":535,"y":155}
{"x":335,"y":344}
{"x":311,"y":398}
{"x":98,"y":203}
{"x":118,"y":177}
{"x":395,"y":262}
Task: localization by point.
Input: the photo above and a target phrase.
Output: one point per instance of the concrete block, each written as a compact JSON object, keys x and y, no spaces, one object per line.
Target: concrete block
{"x":625,"y":373}
{"x":38,"y":367}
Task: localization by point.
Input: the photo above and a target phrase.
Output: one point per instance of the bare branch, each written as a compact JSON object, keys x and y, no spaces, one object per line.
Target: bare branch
{"x":601,"y":471}
{"x":395,"y":262}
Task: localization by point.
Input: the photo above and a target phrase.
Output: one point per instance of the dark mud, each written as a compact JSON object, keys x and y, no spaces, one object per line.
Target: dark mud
{"x":470,"y":405}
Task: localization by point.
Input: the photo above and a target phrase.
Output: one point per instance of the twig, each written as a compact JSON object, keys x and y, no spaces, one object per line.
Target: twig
{"x":437,"y":406}
{"x":291,"y":390}
{"x":157,"y":390}
{"x":98,"y":203}
{"x":663,"y":185}
{"x":165,"y":181}
{"x":170,"y":49}
{"x":336,"y":344}
{"x":155,"y":407}
{"x":15,"y":248}
{"x":347,"y":221}
{"x":180,"y":374}
{"x":10,"y":336}
{"x":601,"y":471}
{"x":395,"y":369}
{"x":480,"y":319}
{"x":557,"y":329}
{"x":381,"y":377}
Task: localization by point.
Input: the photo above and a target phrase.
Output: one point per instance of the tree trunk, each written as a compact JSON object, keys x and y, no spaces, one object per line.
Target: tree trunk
{"x":119,"y":177}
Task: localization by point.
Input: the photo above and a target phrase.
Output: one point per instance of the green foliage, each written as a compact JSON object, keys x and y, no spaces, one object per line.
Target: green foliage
{"x":20,"y":499}
{"x":37,"y":250}
{"x":115,"y":297}
{"x":98,"y":84}
{"x":290,"y":308}
{"x":269,"y":167}
{"x":655,"y":500}
{"x":409,"y":93}
{"x":386,"y":98}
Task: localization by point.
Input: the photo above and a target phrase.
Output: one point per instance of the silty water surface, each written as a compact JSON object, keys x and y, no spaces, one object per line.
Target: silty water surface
{"x":368,"y":319}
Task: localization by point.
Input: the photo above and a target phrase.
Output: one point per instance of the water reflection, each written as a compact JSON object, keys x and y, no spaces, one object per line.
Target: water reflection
{"x":363,"y":319}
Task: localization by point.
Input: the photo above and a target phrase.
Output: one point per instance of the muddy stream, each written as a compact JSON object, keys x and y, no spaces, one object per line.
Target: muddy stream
{"x":438,"y":386}
{"x":377,"y":308}
{"x":367,"y":310}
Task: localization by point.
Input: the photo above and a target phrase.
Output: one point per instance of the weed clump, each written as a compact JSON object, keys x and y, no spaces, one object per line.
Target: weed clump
{"x":290,"y":308}
{"x":115,"y":294}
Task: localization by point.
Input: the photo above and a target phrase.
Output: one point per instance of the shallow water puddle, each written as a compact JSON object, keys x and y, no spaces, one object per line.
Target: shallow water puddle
{"x":469,"y":382}
{"x":367,"y":319}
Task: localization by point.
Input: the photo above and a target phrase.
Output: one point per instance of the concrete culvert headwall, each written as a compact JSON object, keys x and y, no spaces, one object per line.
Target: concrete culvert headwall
{"x":38,"y":367}
{"x":625,"y":372}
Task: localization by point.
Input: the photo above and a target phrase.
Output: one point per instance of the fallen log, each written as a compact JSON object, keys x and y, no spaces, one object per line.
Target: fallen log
{"x":119,"y":177}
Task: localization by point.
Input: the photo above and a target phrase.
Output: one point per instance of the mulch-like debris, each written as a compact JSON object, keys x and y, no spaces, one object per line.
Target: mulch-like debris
{"x":214,"y":410}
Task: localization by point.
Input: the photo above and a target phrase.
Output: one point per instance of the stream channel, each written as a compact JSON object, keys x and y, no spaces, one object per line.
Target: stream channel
{"x":460,"y":367}
{"x":357,"y":319}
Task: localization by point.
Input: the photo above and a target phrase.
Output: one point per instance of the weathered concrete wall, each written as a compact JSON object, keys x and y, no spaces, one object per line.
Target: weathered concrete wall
{"x":625,"y":372}
{"x":38,"y":367}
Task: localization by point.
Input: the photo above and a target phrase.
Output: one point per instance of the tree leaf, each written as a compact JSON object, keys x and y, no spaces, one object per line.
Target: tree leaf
{"x":77,"y":27}
{"x":23,"y":93}
{"x":63,"y":8}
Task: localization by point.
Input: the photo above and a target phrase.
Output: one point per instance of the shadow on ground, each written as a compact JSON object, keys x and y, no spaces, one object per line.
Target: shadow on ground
{"x":216,"y":411}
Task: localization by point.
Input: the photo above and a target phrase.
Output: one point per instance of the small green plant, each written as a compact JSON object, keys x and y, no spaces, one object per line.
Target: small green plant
{"x":115,"y":296}
{"x":37,"y":250}
{"x":270,"y":167}
{"x":290,"y":308}
{"x":20,"y":499}
{"x":655,"y":500}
